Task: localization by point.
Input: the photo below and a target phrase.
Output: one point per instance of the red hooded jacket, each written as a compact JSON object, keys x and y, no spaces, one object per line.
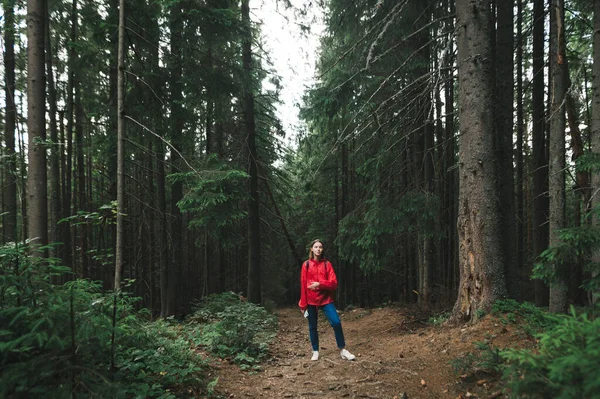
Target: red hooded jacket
{"x":322,"y":272}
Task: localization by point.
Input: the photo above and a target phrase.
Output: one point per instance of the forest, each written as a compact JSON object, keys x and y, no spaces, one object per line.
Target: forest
{"x":156,"y":209}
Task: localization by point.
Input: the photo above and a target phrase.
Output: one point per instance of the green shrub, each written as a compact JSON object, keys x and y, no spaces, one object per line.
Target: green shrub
{"x":486,"y":358}
{"x":440,"y":318}
{"x":532,"y":319}
{"x":233,"y":328}
{"x":57,"y":340}
{"x":566,"y":364}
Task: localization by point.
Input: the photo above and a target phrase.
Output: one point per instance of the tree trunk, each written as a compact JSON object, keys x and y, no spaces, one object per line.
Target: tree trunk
{"x":449,"y":169}
{"x":504,"y":150}
{"x":558,"y":290}
{"x":481,"y":263}
{"x":54,"y":169}
{"x":9,"y":217}
{"x":175,"y":266}
{"x":254,"y":263}
{"x":80,"y":200}
{"x":120,"y":246}
{"x":520,"y":236}
{"x":540,"y":163}
{"x":70,"y":104}
{"x":37,"y":206}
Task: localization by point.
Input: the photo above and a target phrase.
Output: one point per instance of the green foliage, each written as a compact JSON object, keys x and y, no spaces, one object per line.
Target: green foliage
{"x":58,"y":339}
{"x":486,"y":358}
{"x":215,"y":197}
{"x":529,"y":316}
{"x":574,"y":247}
{"x":588,"y":162}
{"x":565,"y":365}
{"x":232,"y":328}
{"x":439,"y":318}
{"x":364,"y":237}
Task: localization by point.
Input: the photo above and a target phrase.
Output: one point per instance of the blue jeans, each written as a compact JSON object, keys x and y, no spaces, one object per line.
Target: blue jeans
{"x":334,"y":320}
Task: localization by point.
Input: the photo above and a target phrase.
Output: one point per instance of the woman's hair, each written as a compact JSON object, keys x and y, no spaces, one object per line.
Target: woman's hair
{"x":310,"y":252}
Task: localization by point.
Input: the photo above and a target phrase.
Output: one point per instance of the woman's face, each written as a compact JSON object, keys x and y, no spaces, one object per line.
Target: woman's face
{"x":317,"y":249}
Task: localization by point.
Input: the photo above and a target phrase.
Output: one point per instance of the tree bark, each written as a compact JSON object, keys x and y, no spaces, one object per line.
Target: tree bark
{"x":175,"y":266}
{"x":9,"y":217}
{"x":54,"y":168}
{"x":80,"y":197}
{"x":70,"y":104}
{"x":519,"y":161}
{"x":482,"y":278}
{"x":504,"y":126}
{"x":37,"y":206}
{"x":557,"y":218}
{"x":254,"y":262}
{"x":540,"y":163}
{"x":449,"y":169}
{"x":120,"y":233}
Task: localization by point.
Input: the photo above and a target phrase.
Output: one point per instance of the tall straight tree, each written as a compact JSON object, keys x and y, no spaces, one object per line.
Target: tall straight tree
{"x":9,"y":218}
{"x":480,"y":254}
{"x":119,"y":250}
{"x":70,"y":105}
{"x":519,"y":159}
{"x":37,"y":207}
{"x":53,"y":164}
{"x":504,"y":143}
{"x":540,"y":165}
{"x":556,"y":172}
{"x":170,"y":277}
{"x":254,"y":274}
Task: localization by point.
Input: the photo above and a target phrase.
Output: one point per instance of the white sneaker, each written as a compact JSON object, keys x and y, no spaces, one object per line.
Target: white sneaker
{"x":347,"y":355}
{"x":315,"y":355}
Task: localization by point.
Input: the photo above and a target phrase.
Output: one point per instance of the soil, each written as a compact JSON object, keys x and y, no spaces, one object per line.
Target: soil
{"x":399,"y":355}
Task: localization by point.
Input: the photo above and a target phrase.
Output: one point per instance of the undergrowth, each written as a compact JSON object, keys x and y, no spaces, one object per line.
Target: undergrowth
{"x":73,"y":340}
{"x":232,"y":328}
{"x":565,"y":363}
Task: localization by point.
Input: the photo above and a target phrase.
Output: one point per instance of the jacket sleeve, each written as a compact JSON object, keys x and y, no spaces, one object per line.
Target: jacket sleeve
{"x":331,"y":283}
{"x":302,"y":303}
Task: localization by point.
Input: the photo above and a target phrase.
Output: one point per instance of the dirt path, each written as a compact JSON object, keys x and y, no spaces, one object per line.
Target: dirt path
{"x":397,"y":354}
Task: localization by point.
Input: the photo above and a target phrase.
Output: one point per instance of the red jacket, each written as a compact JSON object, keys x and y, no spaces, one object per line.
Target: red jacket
{"x":322,"y":272}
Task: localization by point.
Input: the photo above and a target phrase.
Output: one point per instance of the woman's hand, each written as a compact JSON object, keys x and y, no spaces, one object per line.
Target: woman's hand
{"x":314,"y":285}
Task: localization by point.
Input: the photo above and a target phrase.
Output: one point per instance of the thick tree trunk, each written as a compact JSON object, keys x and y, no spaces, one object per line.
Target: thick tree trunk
{"x":9,"y":217}
{"x":481,"y":263}
{"x":558,"y":290}
{"x":504,"y":149}
{"x":540,"y":163}
{"x":120,"y":234}
{"x":37,"y":205}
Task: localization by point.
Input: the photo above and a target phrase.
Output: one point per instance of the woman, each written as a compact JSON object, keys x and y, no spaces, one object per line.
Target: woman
{"x":317,"y":285}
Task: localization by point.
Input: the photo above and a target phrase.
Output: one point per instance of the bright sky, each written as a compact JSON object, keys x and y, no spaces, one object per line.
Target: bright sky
{"x":294,"y":55}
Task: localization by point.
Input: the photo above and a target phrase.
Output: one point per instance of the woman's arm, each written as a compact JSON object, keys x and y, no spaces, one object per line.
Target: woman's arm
{"x":302,"y":303}
{"x":331,"y":282}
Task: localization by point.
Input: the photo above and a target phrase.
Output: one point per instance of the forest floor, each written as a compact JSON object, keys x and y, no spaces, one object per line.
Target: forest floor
{"x":399,"y":355}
